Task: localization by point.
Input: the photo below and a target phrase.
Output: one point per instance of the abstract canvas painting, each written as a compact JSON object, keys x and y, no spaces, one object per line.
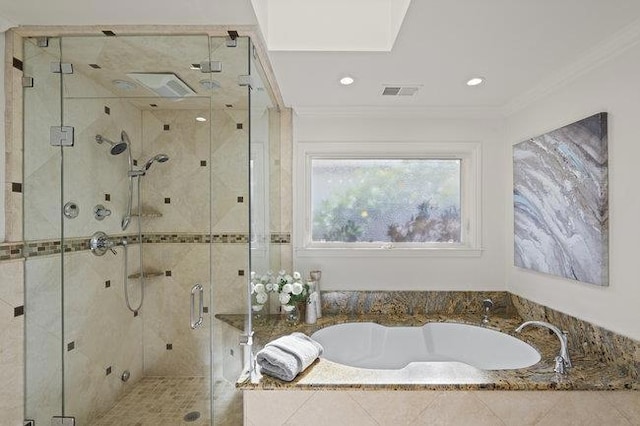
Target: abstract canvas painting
{"x":561,"y":202}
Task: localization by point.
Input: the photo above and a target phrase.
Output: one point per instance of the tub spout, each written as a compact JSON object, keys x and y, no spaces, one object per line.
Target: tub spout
{"x":487,"y":304}
{"x":563,"y":362}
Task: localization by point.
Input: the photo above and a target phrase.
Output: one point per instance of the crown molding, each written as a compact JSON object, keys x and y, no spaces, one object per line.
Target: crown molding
{"x":480,"y":112}
{"x":5,"y":24}
{"x":601,"y":53}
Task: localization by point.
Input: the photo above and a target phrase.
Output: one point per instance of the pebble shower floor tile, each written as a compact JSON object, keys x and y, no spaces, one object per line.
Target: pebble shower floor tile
{"x":165,"y":401}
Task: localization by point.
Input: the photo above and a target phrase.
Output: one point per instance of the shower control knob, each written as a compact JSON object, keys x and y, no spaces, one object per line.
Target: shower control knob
{"x":100,"y":212}
{"x":71,"y":210}
{"x":100,"y":243}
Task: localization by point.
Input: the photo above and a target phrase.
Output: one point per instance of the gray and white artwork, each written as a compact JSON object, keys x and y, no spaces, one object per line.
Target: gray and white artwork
{"x":560,"y":198}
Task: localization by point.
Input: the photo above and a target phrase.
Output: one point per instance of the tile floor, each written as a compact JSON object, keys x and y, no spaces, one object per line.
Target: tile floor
{"x":165,"y":401}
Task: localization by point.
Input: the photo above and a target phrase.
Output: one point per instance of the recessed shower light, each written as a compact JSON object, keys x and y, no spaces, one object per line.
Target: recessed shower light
{"x":210,"y":84}
{"x":201,"y":119}
{"x":347,"y":80}
{"x":475,"y":81}
{"x":123,"y":85}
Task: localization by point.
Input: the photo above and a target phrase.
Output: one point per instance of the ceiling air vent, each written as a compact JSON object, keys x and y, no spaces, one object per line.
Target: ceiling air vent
{"x":400,"y":90}
{"x":167,"y":85}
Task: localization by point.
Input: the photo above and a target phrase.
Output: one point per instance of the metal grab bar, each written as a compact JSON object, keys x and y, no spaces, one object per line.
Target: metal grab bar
{"x":197,"y":323}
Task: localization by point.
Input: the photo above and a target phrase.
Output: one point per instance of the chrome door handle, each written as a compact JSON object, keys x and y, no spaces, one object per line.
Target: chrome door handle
{"x":196,"y":323}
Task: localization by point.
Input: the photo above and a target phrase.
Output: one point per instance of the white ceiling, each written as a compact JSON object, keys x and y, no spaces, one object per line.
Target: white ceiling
{"x":337,"y":25}
{"x":127,"y":12}
{"x":517,"y":45}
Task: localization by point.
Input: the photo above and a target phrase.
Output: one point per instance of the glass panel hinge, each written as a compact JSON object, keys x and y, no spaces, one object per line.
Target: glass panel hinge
{"x":210,"y":66}
{"x":246,"y":339}
{"x":61,"y":136}
{"x":245,"y":80}
{"x":63,"y":421}
{"x":61,"y":68}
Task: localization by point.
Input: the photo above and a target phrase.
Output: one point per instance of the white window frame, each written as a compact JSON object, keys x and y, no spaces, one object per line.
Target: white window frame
{"x":470,"y":202}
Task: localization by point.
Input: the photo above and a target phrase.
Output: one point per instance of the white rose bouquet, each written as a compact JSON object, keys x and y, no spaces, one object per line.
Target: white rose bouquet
{"x":261,"y":285}
{"x":291,"y":290}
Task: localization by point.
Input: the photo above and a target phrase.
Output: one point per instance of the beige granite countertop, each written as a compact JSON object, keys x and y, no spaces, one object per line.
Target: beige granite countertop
{"x":586,"y":374}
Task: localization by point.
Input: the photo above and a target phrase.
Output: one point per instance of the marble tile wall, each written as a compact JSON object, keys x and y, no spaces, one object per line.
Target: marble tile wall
{"x":106,"y":337}
{"x":11,"y":342}
{"x":171,"y":347}
{"x":206,"y":184}
{"x":229,"y":173}
{"x":230,"y":270}
{"x":43,"y":337}
{"x":91,"y":175}
{"x":13,"y":138}
{"x":286,"y":185}
{"x":178,"y":189}
{"x":267,"y":408}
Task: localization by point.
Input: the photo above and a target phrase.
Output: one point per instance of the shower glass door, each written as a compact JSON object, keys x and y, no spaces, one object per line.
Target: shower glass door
{"x":160,"y":136}
{"x":137,"y":336}
{"x":42,"y":231}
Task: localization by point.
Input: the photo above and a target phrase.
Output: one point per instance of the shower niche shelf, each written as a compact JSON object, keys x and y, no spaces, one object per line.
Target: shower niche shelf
{"x":147,"y":274}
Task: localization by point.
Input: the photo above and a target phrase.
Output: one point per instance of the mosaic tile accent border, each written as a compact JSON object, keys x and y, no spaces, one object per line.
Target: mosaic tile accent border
{"x":11,"y":251}
{"x":176,"y":238}
{"x":281,"y":238}
{"x":586,"y":339}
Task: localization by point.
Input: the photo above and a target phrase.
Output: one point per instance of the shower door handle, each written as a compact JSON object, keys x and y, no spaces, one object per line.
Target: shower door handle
{"x":196,"y":323}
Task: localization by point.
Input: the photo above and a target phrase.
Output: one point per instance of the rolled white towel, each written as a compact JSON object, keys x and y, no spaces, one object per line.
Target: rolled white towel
{"x":287,"y":356}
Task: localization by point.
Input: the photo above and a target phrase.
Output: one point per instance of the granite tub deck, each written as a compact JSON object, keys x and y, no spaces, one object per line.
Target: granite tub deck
{"x":589,"y":372}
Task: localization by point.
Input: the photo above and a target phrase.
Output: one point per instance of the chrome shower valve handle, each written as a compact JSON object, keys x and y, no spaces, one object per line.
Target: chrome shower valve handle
{"x":100,"y":243}
{"x":100,"y":212}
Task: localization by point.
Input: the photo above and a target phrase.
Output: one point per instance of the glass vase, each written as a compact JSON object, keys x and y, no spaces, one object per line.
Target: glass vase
{"x":292,"y":313}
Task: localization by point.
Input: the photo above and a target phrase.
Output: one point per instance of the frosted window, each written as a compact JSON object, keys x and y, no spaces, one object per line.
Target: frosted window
{"x":386,"y":200}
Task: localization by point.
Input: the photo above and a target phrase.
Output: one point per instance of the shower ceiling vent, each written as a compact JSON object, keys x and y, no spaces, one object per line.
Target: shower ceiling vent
{"x":400,"y":90}
{"x":167,"y":85}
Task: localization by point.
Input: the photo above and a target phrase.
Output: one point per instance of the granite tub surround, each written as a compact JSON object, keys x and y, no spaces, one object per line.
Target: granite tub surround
{"x":413,"y":302}
{"x":588,"y":373}
{"x":585,"y":338}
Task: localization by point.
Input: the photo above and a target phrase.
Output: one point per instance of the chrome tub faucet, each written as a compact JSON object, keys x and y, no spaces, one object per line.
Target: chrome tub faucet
{"x":562,"y":361}
{"x":487,"y":304}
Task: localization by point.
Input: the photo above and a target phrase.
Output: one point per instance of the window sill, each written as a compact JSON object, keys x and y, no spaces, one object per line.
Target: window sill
{"x":385,"y":252}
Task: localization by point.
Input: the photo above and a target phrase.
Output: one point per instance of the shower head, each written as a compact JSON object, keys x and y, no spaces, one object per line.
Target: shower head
{"x":160,"y":158}
{"x":116,"y":147}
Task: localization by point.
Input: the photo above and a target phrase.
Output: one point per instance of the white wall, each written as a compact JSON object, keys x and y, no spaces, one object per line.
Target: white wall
{"x":613,"y":87}
{"x":426,"y":272}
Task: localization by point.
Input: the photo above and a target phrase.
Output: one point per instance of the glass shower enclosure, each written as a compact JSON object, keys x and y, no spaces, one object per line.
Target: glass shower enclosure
{"x":139,"y":166}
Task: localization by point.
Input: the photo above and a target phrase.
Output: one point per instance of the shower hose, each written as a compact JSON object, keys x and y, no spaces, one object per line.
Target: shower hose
{"x":126,"y":257}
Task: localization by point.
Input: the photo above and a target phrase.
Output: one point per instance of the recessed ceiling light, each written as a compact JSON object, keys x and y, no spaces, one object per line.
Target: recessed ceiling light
{"x":347,"y":80}
{"x":201,"y":119}
{"x":475,"y":81}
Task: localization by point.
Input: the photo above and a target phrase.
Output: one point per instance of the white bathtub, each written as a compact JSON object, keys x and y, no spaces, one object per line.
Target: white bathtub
{"x":372,"y":346}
